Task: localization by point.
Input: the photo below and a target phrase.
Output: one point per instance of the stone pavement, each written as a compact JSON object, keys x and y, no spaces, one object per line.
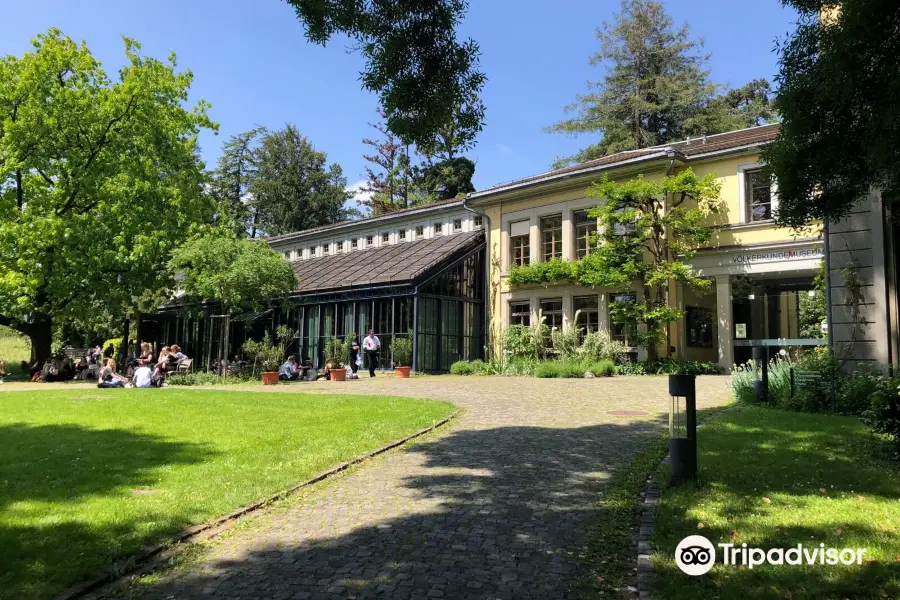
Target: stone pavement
{"x":498,"y":505}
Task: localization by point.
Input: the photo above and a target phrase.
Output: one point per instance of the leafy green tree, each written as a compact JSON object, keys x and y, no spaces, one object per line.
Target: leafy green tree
{"x":231,"y":180}
{"x":414,"y":60}
{"x":837,"y":96}
{"x":647,"y":234}
{"x":447,"y":179}
{"x":656,"y":88}
{"x":99,"y":179}
{"x":293,"y":188}
{"x":236,"y":273}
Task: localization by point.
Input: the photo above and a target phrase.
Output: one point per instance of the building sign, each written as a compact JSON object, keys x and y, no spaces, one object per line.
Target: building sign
{"x":740,"y":331}
{"x":777,"y":255}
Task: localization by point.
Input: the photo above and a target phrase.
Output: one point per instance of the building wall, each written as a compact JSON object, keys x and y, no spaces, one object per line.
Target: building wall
{"x":733,"y":235}
{"x":856,"y":244}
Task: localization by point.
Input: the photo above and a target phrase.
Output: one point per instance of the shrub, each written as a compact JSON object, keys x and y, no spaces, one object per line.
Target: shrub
{"x":565,"y":342}
{"x":461,"y":367}
{"x":602,"y":368}
{"x":884,"y":414}
{"x":526,"y":342}
{"x":598,"y":345}
{"x":631,"y":368}
{"x":813,"y":395}
{"x":262,"y":355}
{"x":520,"y":366}
{"x":571,"y":369}
{"x":547,"y":369}
{"x":856,"y":391}
{"x":552,"y":271}
{"x":203,"y":378}
{"x":402,"y":348}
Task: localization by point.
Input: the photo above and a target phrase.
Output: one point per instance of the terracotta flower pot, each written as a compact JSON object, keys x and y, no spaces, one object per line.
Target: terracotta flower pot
{"x":402,"y":371}
{"x":339,"y":374}
{"x":270,"y":378}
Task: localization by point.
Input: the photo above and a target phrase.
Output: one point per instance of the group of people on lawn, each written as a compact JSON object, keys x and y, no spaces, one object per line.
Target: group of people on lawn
{"x":291,"y":370}
{"x":145,"y":371}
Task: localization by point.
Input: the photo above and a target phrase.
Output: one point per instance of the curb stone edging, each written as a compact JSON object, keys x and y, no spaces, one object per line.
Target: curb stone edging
{"x":651,"y":495}
{"x":128,"y":565}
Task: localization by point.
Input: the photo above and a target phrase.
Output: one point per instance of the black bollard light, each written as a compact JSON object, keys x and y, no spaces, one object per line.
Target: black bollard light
{"x":682,"y":428}
{"x":761,"y":364}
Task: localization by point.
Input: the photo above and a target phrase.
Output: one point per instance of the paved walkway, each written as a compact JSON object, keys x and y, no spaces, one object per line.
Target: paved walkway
{"x":496,"y":506}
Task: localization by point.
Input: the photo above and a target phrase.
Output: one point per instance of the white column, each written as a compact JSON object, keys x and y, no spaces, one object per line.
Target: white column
{"x":534,"y":240}
{"x":568,"y":235}
{"x":603,"y":313}
{"x":568,"y":306}
{"x":725,"y":316}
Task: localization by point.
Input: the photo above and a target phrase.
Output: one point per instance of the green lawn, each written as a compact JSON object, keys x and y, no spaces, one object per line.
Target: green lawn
{"x":89,"y":476}
{"x":773,"y":479}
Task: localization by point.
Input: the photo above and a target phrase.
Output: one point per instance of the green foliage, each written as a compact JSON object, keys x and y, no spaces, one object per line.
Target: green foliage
{"x":552,"y":272}
{"x":337,"y":352}
{"x":566,"y":341}
{"x":526,"y":342}
{"x":648,"y":232}
{"x":840,"y":130}
{"x":425,"y":77}
{"x":602,"y":368}
{"x":668,"y":366}
{"x":475,"y":367}
{"x":448,"y":178}
{"x":656,"y":89}
{"x":812,"y":311}
{"x":230,"y":184}
{"x":573,"y":369}
{"x":101,"y":179}
{"x":115,"y":344}
{"x":202,"y":378}
{"x":293,"y":189}
{"x":402,"y":349}
{"x":883,"y":415}
{"x":266,"y":355}
{"x":599,"y":346}
{"x":240,"y":274}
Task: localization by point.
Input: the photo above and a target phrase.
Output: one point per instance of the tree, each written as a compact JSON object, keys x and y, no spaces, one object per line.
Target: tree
{"x":414,"y":60}
{"x":656,"y":89}
{"x":647,"y":233}
{"x":293,"y":189}
{"x":837,"y":96}
{"x":99,"y":179}
{"x":237,"y":273}
{"x":389,"y":185}
{"x":447,"y":179}
{"x":231,"y":182}
{"x":457,"y":135}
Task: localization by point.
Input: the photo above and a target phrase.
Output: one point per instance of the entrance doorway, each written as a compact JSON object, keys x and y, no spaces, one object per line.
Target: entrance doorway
{"x":779,"y":314}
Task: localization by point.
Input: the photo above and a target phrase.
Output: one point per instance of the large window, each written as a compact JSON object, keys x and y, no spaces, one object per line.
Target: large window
{"x":520,"y":313}
{"x":519,"y":249}
{"x":585,"y":227}
{"x":617,"y":327}
{"x":552,"y":312}
{"x":757,"y":196}
{"x":699,"y":321}
{"x":587,"y":311}
{"x":551,"y":237}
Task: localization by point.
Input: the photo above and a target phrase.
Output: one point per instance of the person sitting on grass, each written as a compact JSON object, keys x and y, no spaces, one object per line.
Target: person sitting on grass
{"x":289,"y":370}
{"x":160,"y":369}
{"x":143,"y":375}
{"x":108,"y":377}
{"x":326,"y":373}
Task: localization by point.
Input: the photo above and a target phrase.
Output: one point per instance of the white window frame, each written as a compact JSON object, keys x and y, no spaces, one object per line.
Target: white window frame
{"x":339,"y":246}
{"x":437,"y":228}
{"x":453,"y":226}
{"x":381,"y":236}
{"x":743,"y":206}
{"x":369,"y":241}
{"x":419,"y":232}
{"x":313,"y":251}
{"x":354,"y":244}
{"x":402,"y":236}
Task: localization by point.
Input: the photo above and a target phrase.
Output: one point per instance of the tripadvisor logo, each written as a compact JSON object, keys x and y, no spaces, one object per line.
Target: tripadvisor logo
{"x":696,"y":555}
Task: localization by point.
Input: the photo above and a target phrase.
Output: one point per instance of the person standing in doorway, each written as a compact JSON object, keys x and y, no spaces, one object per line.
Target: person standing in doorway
{"x":371,"y":345}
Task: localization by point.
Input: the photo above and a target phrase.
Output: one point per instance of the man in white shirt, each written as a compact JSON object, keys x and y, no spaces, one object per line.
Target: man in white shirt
{"x":371,"y":345}
{"x":142,"y":376}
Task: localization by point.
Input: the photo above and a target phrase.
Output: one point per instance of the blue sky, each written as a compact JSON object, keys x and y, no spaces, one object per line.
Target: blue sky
{"x":252,"y":62}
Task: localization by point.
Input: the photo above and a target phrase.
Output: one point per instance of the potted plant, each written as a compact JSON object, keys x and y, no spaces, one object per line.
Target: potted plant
{"x":266,"y":355}
{"x":402,"y":348}
{"x":336,"y":351}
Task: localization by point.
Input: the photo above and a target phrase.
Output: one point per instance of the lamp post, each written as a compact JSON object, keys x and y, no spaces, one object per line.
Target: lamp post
{"x":682,"y":428}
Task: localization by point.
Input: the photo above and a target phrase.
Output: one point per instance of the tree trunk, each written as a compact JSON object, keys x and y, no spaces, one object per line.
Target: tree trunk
{"x":123,"y":349}
{"x":40,"y":332}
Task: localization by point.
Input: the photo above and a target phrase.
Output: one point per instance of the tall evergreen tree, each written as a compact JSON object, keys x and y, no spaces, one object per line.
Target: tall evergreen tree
{"x":231,"y":182}
{"x":293,"y":188}
{"x":656,"y":88}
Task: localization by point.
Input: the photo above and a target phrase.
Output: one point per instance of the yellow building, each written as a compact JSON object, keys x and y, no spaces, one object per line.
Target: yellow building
{"x":762,"y":273}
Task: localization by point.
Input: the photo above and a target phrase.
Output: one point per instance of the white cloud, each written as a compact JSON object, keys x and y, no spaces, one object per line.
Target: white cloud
{"x":504,"y":149}
{"x":359,"y":194}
